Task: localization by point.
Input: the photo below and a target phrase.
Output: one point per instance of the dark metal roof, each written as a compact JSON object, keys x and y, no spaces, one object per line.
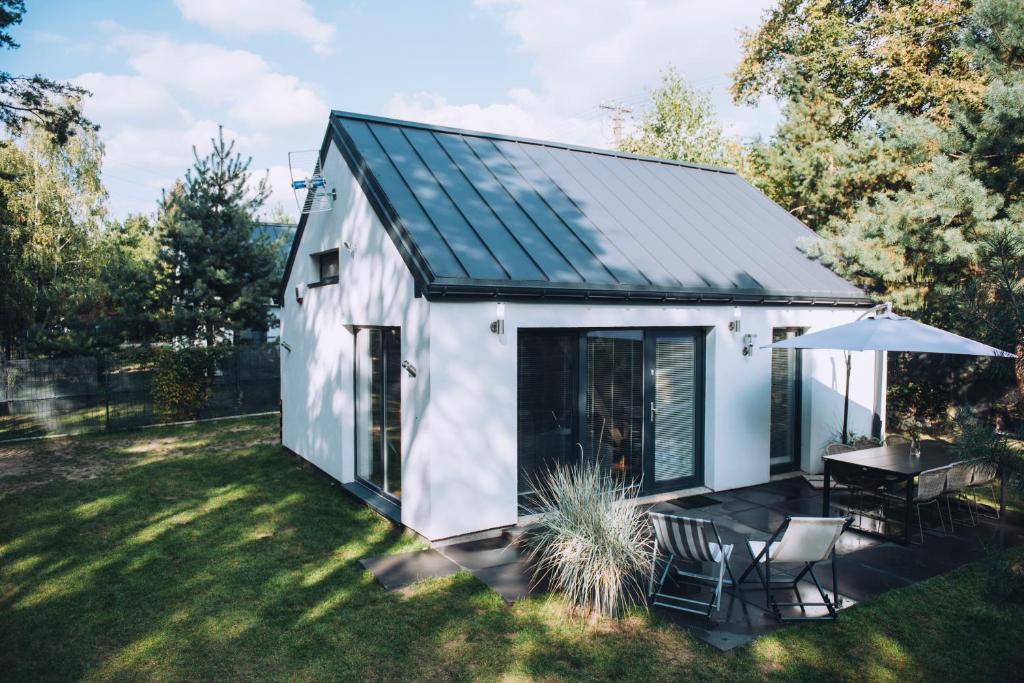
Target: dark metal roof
{"x":483,"y":215}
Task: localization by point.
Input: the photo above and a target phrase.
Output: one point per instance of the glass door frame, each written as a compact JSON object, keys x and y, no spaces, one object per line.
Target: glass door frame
{"x":651,"y":335}
{"x":649,"y":338}
{"x":384,"y":331}
{"x":794,"y":463}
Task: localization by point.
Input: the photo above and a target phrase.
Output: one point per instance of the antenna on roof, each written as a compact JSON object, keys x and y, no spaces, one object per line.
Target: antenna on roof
{"x":317,"y":197}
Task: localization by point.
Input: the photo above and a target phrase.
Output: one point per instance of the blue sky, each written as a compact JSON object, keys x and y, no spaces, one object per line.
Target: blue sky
{"x":165,"y":73}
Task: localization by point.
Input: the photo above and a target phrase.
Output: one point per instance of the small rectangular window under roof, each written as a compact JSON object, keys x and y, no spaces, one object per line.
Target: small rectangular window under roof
{"x":326,"y":263}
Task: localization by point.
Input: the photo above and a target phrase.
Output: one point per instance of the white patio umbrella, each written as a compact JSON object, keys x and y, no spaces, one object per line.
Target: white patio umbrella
{"x":886,"y":331}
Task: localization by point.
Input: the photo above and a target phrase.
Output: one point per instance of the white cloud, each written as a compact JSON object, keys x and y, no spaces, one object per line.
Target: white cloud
{"x":250,"y":17}
{"x":241,"y":82}
{"x":173,"y":98}
{"x":585,"y":54}
{"x":117,"y":98}
{"x":523,"y":114}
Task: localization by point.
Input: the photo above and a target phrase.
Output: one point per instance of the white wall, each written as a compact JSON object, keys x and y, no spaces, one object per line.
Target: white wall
{"x":374,"y":288}
{"x":473,"y":411}
{"x":459,"y":464}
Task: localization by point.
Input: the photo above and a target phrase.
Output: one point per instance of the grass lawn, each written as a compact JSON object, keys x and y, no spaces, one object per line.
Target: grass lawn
{"x":206,"y":552}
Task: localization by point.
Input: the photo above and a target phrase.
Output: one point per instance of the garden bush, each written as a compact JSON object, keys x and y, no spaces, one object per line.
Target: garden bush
{"x":182,"y":380}
{"x":592,"y":542}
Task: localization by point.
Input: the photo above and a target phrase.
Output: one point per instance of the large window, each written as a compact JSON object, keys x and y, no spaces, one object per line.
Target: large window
{"x":379,"y":409}
{"x":614,"y":429}
{"x":785,"y":414}
{"x":546,"y":402}
{"x":630,"y":400}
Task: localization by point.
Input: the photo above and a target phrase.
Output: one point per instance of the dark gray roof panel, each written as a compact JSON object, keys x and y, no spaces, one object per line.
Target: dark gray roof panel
{"x":493,"y":215}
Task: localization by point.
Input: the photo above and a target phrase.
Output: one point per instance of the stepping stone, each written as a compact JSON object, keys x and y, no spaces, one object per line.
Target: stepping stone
{"x":398,"y":571}
{"x":488,"y":552}
{"x":511,"y":581}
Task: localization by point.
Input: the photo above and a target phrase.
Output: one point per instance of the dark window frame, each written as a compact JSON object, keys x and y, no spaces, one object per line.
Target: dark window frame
{"x":318,"y":260}
{"x":798,"y":398}
{"x":582,"y":369}
{"x":385,"y":378}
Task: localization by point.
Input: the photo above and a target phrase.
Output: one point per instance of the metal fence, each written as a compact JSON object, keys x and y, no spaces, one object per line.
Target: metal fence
{"x":96,"y":393}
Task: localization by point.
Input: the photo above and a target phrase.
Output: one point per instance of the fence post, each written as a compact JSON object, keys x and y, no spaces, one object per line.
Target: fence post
{"x":105,"y":359}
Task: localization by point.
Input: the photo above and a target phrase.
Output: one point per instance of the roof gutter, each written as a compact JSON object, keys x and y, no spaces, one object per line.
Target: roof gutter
{"x":469,"y":292}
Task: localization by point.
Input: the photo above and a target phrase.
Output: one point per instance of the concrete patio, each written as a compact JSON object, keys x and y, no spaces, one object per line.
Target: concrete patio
{"x":868,"y":565}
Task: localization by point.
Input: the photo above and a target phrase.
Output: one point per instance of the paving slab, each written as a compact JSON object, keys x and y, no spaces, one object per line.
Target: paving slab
{"x":398,"y":571}
{"x":512,"y":581}
{"x":488,"y":552}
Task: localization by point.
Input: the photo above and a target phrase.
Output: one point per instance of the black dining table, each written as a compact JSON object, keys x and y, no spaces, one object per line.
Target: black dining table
{"x":895,"y":462}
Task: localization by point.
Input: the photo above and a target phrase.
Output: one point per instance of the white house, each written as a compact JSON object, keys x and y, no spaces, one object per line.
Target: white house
{"x":477,"y":307}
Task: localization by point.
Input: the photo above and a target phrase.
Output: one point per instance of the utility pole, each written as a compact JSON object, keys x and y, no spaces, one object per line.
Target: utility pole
{"x":618,"y":118}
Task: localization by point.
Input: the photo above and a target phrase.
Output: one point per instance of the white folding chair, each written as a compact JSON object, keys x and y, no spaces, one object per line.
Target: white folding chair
{"x":802,"y":541}
{"x":684,"y":539}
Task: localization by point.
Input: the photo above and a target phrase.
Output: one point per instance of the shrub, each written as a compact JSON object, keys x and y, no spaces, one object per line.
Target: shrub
{"x":182,"y":380}
{"x":1006,"y":581}
{"x":592,"y":542}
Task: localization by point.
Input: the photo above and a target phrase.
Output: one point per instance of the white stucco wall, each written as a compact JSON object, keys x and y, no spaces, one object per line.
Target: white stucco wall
{"x":459,"y":464}
{"x":474,"y":467}
{"x":374,"y":288}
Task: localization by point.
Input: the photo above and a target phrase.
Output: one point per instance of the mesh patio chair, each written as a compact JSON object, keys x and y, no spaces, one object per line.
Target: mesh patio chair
{"x":687,"y":540}
{"x":836,"y":449}
{"x":802,"y":541}
{"x":958,"y":480}
{"x":860,"y":482}
{"x":930,"y":486}
{"x":984,"y":475}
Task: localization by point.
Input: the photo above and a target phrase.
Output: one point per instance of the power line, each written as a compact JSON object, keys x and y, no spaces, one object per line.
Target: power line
{"x":618,"y":117}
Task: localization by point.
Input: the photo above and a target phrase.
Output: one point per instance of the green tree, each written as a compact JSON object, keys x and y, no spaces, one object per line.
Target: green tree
{"x":126,"y":307}
{"x":867,"y":55}
{"x":52,"y":206}
{"x":36,"y":100}
{"x":681,"y":124}
{"x":215,"y":277}
{"x":818,"y":173}
{"x":944,"y":240}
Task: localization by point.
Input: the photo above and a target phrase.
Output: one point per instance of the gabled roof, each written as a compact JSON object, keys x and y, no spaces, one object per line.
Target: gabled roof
{"x":481,"y":215}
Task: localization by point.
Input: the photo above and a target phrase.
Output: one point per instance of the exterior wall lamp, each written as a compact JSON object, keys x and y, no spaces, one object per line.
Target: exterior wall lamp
{"x":748,"y":344}
{"x":734,"y":324}
{"x":409,"y":368}
{"x":498,"y":325}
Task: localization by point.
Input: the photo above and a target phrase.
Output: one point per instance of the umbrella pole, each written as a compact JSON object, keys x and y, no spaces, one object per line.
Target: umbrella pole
{"x":846,"y":401}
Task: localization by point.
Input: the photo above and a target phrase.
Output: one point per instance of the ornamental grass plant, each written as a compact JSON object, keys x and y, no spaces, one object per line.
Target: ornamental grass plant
{"x":592,"y":542}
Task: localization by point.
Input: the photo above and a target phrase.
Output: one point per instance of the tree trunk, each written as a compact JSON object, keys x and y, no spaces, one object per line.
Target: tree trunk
{"x":1018,"y":366}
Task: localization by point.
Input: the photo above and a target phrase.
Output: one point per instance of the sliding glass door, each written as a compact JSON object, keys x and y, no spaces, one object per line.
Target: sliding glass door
{"x":613,"y":428}
{"x":547,"y":403}
{"x":630,"y":400}
{"x":379,"y":409}
{"x":785,"y":415}
{"x":675,"y":410}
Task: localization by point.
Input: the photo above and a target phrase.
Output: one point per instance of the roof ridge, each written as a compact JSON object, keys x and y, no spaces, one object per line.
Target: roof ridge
{"x":336,"y":113}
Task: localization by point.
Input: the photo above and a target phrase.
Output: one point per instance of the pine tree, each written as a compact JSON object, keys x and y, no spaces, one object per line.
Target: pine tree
{"x":215,"y":276}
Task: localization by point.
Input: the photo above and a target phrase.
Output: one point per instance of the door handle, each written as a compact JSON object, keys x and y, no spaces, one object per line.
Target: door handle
{"x":654,"y":411}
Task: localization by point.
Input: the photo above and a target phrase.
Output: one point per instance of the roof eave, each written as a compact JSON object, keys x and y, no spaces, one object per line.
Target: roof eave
{"x":462,"y":290}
